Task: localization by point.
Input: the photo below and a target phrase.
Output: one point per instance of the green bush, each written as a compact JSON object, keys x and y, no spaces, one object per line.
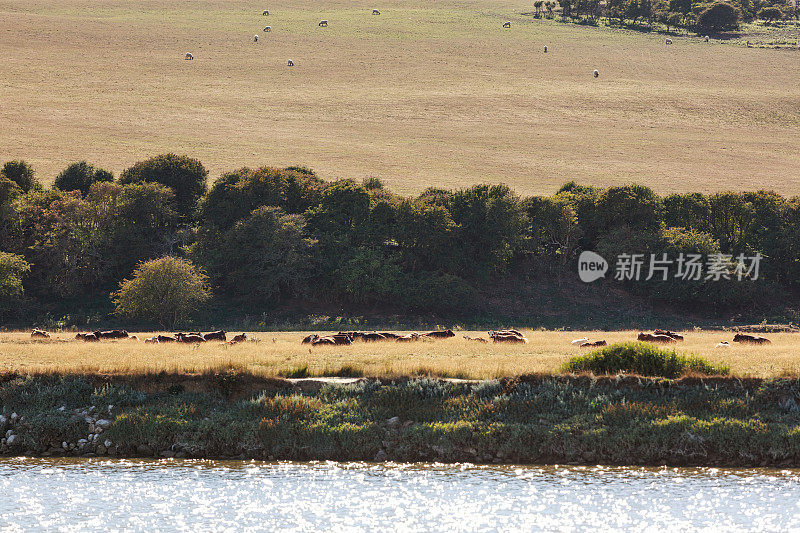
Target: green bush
{"x":80,"y":176}
{"x":721,"y":16}
{"x":644,"y":359}
{"x":13,"y":269}
{"x":184,"y":175}
{"x":167,"y":290}
{"x":770,"y":14}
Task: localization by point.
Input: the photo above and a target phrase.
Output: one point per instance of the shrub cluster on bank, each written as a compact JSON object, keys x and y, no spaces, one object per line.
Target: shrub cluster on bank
{"x":534,"y":420}
{"x":263,"y":237}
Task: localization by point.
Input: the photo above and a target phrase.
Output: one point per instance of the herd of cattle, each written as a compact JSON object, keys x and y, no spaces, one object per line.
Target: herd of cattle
{"x":511,"y":336}
{"x":349,"y":337}
{"x":118,"y":334}
{"x":665,"y":336}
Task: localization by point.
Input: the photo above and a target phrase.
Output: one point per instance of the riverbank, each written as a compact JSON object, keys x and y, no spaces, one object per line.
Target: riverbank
{"x":532,"y":419}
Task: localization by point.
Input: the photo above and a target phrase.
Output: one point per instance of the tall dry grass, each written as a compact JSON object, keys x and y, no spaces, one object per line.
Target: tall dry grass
{"x":278,"y":353}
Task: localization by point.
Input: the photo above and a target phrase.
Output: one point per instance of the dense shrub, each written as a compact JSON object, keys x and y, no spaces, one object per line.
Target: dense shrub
{"x":770,"y":14}
{"x":167,"y":290}
{"x":13,"y":269}
{"x":720,"y":16}
{"x":184,"y":175}
{"x":641,"y":358}
{"x":80,"y":176}
{"x":20,"y":173}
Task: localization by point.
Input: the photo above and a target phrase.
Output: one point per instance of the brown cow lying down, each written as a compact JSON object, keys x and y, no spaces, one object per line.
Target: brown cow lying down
{"x":593,"y":344}
{"x":112,"y":334}
{"x":166,"y":338}
{"x":508,"y":335}
{"x":650,"y":337}
{"x":340,"y":339}
{"x":476,"y":339}
{"x":411,"y":337}
{"x":446,"y":334}
{"x":750,"y":339}
{"x":242,"y":337}
{"x":389,"y":336}
{"x":215,"y":336}
{"x":669,"y":333}
{"x":151,"y":340}
{"x":372,"y":336}
{"x":87,"y":337}
{"x":39,"y":334}
{"x":308,"y":339}
{"x":189,"y":337}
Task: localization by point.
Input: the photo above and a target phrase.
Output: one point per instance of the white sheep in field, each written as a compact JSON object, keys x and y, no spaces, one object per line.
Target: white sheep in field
{"x":323,"y":23}
{"x":669,"y":41}
{"x":723,"y":344}
{"x":596,"y":73}
{"x":189,"y":56}
{"x":265,"y":13}
{"x":507,"y":24}
{"x":578,"y":342}
{"x":291,"y":63}
{"x":255,"y":38}
{"x":705,"y":38}
{"x":267,"y":28}
{"x":376,"y":12}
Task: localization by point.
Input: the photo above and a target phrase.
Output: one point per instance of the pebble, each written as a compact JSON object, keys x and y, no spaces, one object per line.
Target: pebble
{"x":11,"y":440}
{"x":380,"y":456}
{"x":107,"y":443}
{"x":393,"y":422}
{"x":103,"y":423}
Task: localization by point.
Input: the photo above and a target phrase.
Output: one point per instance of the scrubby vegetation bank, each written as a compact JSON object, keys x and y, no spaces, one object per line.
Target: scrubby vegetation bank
{"x":530,"y":419}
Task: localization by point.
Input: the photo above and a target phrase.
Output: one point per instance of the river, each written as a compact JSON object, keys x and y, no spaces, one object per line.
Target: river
{"x":174,"y":495}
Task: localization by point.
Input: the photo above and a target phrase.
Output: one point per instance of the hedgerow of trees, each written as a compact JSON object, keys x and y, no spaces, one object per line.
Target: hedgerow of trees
{"x":269,"y":237}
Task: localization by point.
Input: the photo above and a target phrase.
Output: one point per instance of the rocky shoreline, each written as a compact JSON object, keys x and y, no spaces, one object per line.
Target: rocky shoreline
{"x":536,"y":420}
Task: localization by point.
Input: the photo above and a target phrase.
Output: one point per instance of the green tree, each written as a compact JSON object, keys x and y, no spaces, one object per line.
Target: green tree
{"x":635,"y":206}
{"x":720,"y":16}
{"x":167,"y":290}
{"x":770,"y":14}
{"x":13,"y":269}
{"x":261,"y":259}
{"x":184,"y":175}
{"x":80,"y":176}
{"x":20,"y":173}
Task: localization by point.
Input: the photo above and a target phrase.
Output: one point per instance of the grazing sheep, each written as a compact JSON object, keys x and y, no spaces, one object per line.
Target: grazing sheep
{"x":189,"y":56}
{"x":376,"y":12}
{"x":39,"y":334}
{"x":267,"y":28}
{"x":705,"y":38}
{"x":323,"y":23}
{"x":669,"y":41}
{"x":265,"y":13}
{"x":723,"y":344}
{"x":507,"y":24}
{"x":255,"y":38}
{"x":545,"y":49}
{"x":596,"y":73}
{"x":578,"y":342}
{"x":291,"y":63}
{"x":133,"y":338}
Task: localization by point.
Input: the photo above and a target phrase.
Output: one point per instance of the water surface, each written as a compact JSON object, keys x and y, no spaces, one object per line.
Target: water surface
{"x":174,"y":495}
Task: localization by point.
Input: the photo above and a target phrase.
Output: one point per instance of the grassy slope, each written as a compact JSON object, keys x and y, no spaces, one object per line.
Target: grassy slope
{"x":277,"y":353}
{"x":424,"y":94}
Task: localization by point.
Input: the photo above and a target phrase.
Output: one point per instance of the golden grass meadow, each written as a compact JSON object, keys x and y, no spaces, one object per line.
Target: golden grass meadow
{"x":274,"y":353}
{"x":426,"y":94}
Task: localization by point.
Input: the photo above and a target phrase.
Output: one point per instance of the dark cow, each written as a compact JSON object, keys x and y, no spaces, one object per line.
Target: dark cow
{"x":309,"y":338}
{"x":166,"y":338}
{"x":389,"y":335}
{"x":511,"y":339}
{"x":446,"y":334}
{"x":215,"y":336}
{"x":669,"y":333}
{"x":371,"y":337}
{"x":659,"y":339}
{"x":476,"y":339}
{"x":112,"y":334}
{"x":39,"y":334}
{"x":189,"y":338}
{"x":750,"y":339}
{"x":344,"y":339}
{"x":593,"y":344}
{"x":242,"y":337}
{"x":87,"y":337}
{"x":323,"y":341}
